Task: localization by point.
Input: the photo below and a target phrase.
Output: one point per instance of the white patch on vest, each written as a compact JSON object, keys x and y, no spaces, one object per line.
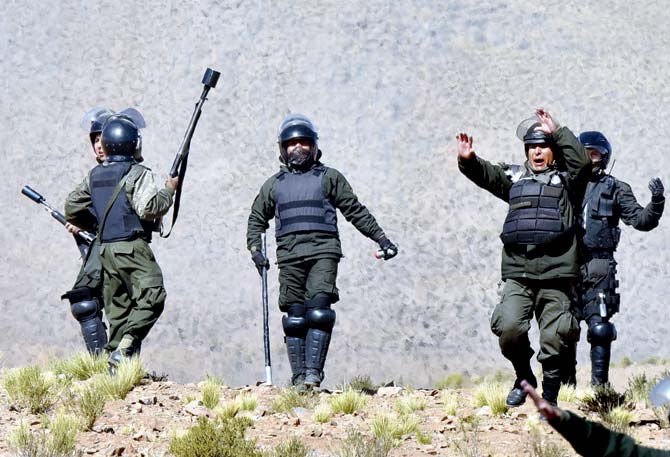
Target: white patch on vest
{"x":555,"y":180}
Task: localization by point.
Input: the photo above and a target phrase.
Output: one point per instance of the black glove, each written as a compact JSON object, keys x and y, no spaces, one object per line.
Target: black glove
{"x":260,"y":261}
{"x":656,"y":188}
{"x":389,"y":250}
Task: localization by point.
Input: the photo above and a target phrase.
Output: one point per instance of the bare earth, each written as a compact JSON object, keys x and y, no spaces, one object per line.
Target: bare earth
{"x":142,"y":424}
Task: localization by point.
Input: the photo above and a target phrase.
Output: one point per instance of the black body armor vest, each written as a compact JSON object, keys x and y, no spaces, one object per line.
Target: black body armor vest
{"x":600,"y":220}
{"x":122,"y":222}
{"x":301,"y":205}
{"x":534,"y":215}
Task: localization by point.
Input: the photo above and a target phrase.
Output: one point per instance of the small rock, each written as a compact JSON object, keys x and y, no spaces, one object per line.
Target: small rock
{"x":118,"y":451}
{"x":389,"y":391}
{"x":447,"y":419}
{"x":317,"y":432}
{"x":295,"y":421}
{"x":196,"y":410}
{"x":430,"y":450}
{"x":142,"y":436}
{"x":148,"y":400}
{"x":174,"y":397}
{"x":434,"y":393}
{"x":300,"y":412}
{"x":135,"y":409}
{"x":484,"y":411}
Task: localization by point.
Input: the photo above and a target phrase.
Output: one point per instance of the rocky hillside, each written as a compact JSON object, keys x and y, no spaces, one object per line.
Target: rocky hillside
{"x":388,"y":84}
{"x":446,"y":423}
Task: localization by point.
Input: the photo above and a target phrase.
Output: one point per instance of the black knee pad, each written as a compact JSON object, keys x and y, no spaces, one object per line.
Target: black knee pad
{"x":319,"y":314}
{"x":86,"y":309}
{"x":80,"y":294}
{"x":601,"y":333}
{"x":295,"y":321}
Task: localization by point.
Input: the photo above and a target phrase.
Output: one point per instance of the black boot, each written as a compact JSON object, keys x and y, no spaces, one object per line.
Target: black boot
{"x":315,"y":356}
{"x":551,"y":382}
{"x":569,"y":367}
{"x":600,"y":365}
{"x":517,"y":396}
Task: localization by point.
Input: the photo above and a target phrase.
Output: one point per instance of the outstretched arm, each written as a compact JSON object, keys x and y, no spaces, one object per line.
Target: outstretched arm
{"x":485,"y":174}
{"x":632,"y":213}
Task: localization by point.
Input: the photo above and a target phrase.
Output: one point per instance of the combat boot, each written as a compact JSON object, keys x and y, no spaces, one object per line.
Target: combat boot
{"x":122,"y":352}
{"x":551,"y":382}
{"x":517,"y":396}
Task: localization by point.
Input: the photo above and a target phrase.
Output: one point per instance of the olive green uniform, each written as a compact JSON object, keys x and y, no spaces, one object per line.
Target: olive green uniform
{"x":594,"y":440}
{"x":539,"y":279}
{"x":308,"y":260}
{"x":133,"y":291}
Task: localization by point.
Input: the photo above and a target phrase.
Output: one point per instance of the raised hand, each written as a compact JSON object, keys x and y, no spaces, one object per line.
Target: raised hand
{"x":543,"y":406}
{"x":656,"y":188}
{"x":464,"y":146}
{"x":547,"y":123}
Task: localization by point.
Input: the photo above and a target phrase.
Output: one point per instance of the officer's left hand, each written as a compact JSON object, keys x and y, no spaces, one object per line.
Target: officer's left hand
{"x":388,"y":249}
{"x":547,"y":123}
{"x":72,"y":228}
{"x":656,"y":188}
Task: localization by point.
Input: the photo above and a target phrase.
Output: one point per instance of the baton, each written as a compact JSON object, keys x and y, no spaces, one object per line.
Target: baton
{"x":266,"y":329}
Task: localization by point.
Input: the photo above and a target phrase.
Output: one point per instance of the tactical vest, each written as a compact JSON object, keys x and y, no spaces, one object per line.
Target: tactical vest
{"x":600,"y":220}
{"x":122,"y":222}
{"x":534,"y":215}
{"x":301,"y":205}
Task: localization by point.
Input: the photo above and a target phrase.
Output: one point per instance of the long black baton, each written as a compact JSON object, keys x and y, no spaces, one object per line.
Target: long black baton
{"x":266,"y":328}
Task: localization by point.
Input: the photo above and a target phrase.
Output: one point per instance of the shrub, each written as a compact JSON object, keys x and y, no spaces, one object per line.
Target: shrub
{"x":391,"y":428}
{"x":323,"y":413}
{"x":30,"y":388}
{"x":59,"y":441}
{"x":424,"y":438}
{"x":210,"y":439}
{"x":81,"y":366}
{"x":89,"y":403}
{"x":452,"y":381}
{"x":129,"y":373}
{"x":451,"y":402}
{"x":625,"y":362}
{"x":567,"y":394}
{"x":211,"y":392}
{"x":638,"y":389}
{"x":362,"y":384}
{"x":619,"y":418}
{"x":492,"y":394}
{"x":247,"y":402}
{"x":602,"y":400}
{"x":294,"y":447}
{"x":408,"y":404}
{"x":347,"y":402}
{"x":227,"y":410}
{"x":356,"y":445}
{"x":291,"y":397}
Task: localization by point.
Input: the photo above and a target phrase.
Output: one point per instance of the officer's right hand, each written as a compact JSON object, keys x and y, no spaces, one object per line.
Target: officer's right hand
{"x":260,"y":261}
{"x":464,"y":146}
{"x":656,"y":188}
{"x":387,"y":250}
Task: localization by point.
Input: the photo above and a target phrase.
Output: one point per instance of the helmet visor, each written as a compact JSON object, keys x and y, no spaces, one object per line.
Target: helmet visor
{"x":526,"y":126}
{"x":95,"y":116}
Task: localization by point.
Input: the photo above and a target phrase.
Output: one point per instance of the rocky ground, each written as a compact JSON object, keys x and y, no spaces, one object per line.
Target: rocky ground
{"x":143,"y":423}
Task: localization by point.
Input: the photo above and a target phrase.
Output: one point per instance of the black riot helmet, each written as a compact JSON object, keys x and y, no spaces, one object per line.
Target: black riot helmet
{"x":596,"y":140}
{"x":297,"y":126}
{"x":528,"y":132}
{"x":120,"y":136}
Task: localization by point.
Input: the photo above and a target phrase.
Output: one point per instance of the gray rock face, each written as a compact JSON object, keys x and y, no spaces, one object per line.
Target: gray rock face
{"x":388,"y":84}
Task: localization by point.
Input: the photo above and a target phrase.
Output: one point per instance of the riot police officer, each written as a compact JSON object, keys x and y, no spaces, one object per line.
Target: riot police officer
{"x":303,"y":198}
{"x":539,"y":255}
{"x":607,"y":201}
{"x":85,"y":296}
{"x":127,"y":203}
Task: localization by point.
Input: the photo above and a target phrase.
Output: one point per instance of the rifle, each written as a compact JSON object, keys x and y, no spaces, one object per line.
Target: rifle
{"x":83,"y":238}
{"x":210,"y":79}
{"x":266,"y":329}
